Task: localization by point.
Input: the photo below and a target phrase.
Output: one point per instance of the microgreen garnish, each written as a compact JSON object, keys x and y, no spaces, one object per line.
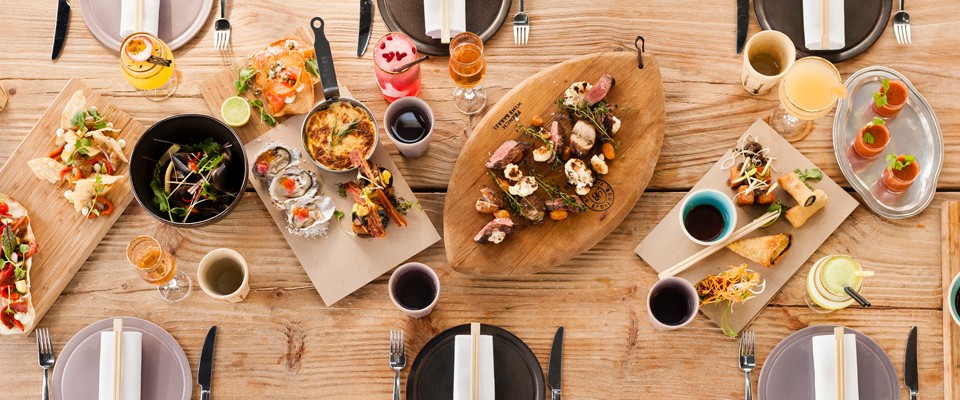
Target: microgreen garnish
{"x":341,"y":190}
{"x":880,"y":98}
{"x":341,"y":132}
{"x":555,"y":193}
{"x":264,"y":115}
{"x":242,"y":83}
{"x":805,"y":175}
{"x":895,"y":163}
{"x":868,"y":138}
{"x":777,"y":207}
{"x":79,"y":120}
{"x":312,"y":67}
{"x":404,"y":205}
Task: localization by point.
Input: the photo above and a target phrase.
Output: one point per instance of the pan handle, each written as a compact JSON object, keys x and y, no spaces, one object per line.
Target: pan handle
{"x":328,"y":75}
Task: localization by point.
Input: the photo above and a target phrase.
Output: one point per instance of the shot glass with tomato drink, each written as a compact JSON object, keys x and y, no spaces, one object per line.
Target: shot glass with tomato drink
{"x":901,"y":171}
{"x":872,"y":139}
{"x":889,"y":98}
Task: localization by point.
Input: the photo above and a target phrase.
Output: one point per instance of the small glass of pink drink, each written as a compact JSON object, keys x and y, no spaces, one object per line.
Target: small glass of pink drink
{"x":392,"y":52}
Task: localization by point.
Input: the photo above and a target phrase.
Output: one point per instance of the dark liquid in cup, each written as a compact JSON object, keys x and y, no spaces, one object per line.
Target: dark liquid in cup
{"x":957,"y":301}
{"x":766,"y":63}
{"x":225,"y":276}
{"x":410,"y":125}
{"x":670,"y":305}
{"x":415,"y":290}
{"x":704,"y":222}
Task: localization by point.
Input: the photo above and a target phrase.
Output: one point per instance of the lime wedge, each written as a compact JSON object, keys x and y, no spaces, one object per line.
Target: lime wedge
{"x":235,"y":111}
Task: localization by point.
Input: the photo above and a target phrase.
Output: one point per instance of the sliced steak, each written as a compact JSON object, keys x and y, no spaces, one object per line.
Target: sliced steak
{"x":510,"y":151}
{"x":557,"y":204}
{"x":489,"y":202}
{"x":599,"y":90}
{"x":556,"y":137}
{"x":495,"y":231}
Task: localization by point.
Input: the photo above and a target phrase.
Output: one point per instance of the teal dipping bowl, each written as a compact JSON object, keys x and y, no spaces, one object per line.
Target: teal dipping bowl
{"x":952,"y":299}
{"x":718,"y":200}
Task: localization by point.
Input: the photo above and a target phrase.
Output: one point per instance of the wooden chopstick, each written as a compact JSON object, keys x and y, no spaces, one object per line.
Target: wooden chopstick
{"x":445,"y":21}
{"x":139,"y":23}
{"x":700,"y":255}
{"x":117,"y":357}
{"x":838,"y":334}
{"x":474,"y":361}
{"x":824,"y":24}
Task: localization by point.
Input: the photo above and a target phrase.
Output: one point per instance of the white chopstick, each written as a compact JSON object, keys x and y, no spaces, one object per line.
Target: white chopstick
{"x":824,"y":24}
{"x":117,"y":357}
{"x":838,"y":334}
{"x":474,"y":361}
{"x":706,"y":252}
{"x":445,"y":21}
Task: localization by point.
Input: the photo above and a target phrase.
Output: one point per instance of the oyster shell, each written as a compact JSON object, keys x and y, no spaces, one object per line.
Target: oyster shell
{"x":309,"y":217}
{"x":292,"y":184}
{"x":273,"y":158}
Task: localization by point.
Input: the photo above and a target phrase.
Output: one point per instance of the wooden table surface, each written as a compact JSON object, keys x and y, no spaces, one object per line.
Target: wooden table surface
{"x":283,"y":343}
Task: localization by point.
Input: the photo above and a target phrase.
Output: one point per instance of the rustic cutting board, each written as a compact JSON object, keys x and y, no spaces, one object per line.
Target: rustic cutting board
{"x":219,"y":86}
{"x":951,"y":267}
{"x":65,"y":237}
{"x":537,"y":247}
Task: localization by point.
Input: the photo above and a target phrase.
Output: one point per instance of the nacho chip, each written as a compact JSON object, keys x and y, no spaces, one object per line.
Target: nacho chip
{"x":46,"y":168}
{"x":76,"y":104}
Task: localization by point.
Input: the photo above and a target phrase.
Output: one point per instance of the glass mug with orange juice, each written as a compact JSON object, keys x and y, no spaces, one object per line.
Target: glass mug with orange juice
{"x":148,"y":64}
{"x":157,"y":267}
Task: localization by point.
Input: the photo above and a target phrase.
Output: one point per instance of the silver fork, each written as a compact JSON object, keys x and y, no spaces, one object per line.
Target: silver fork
{"x":521,"y":27}
{"x":398,"y":359}
{"x":221,"y":29}
{"x":45,"y":351}
{"x":901,"y":25}
{"x":747,"y":360}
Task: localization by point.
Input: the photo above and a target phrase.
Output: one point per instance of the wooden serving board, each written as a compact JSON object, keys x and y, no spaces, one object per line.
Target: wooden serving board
{"x":219,"y":86}
{"x":65,"y":237}
{"x":533,"y":248}
{"x":951,"y":267}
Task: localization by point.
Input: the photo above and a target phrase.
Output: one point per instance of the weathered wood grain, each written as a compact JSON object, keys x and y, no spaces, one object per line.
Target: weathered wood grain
{"x":950,"y":227}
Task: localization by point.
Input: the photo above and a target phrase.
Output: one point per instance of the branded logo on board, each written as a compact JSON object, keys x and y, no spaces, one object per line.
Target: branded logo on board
{"x":601,"y":197}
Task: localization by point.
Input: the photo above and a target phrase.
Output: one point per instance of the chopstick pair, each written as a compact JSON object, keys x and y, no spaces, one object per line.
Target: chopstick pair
{"x":706,"y":252}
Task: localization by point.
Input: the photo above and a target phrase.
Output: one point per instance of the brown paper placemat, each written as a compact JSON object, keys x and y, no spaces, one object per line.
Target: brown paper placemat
{"x":951,"y":267}
{"x":339,"y":263}
{"x":668,"y":234}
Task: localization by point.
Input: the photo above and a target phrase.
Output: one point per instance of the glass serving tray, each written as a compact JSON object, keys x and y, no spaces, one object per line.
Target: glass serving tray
{"x":915,"y":131}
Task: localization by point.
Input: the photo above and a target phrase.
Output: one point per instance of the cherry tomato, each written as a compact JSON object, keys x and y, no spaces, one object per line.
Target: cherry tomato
{"x":4,"y":208}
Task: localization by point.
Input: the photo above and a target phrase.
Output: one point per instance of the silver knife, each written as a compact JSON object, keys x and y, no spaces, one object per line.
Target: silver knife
{"x":555,"y":366}
{"x":63,"y":20}
{"x":743,"y":21}
{"x":910,"y":377}
{"x":366,"y":22}
{"x":206,"y":364}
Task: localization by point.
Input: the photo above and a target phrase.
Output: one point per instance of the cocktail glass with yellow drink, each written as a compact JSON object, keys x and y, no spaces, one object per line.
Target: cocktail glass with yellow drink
{"x":809,"y":90}
{"x":147,"y":63}
{"x":834,"y":282}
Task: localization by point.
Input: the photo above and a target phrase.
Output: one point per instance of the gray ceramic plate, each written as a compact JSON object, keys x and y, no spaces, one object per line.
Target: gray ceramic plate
{"x":915,"y":131}
{"x":483,"y":18}
{"x":165,"y":374}
{"x":787,"y":373}
{"x":180,"y":20}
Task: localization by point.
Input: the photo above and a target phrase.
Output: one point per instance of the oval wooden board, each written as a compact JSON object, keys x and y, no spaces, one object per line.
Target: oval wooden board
{"x":533,"y":248}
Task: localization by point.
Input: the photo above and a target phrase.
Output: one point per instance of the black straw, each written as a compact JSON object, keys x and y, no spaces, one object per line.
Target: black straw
{"x":407,"y":66}
{"x":856,"y":296}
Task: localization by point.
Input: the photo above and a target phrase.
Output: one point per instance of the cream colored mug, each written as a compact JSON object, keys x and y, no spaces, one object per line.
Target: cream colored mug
{"x":223,"y":275}
{"x":774,"y":53}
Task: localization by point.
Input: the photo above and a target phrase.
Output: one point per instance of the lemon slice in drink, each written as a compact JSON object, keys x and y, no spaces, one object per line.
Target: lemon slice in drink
{"x":235,"y":111}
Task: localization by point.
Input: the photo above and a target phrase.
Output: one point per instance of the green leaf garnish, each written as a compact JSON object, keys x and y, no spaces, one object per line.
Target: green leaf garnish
{"x":312,"y":67}
{"x":9,"y":241}
{"x":868,"y":138}
{"x":340,"y":133}
{"x":880,"y":98}
{"x":814,"y":174}
{"x":242,"y":83}
{"x":895,"y":163}
{"x":264,"y":115}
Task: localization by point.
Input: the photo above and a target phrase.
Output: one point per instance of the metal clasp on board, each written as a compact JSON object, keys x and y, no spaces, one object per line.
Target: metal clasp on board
{"x":639,"y":44}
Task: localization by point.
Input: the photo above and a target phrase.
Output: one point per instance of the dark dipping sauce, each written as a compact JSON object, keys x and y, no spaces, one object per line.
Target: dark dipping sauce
{"x":670,"y":305}
{"x":410,"y":126}
{"x":704,"y":222}
{"x":415,"y":290}
{"x":956,"y":301}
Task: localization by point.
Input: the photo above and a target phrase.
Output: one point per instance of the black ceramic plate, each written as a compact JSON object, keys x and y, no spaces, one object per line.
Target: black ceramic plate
{"x":517,"y":372}
{"x":864,"y":22}
{"x":484,"y":18}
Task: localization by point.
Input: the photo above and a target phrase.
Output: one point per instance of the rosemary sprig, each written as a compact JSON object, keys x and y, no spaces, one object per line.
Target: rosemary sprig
{"x":555,"y":193}
{"x":340,"y":133}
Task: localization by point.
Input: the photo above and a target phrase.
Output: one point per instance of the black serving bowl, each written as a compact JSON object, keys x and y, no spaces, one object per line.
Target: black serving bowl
{"x":185,"y":129}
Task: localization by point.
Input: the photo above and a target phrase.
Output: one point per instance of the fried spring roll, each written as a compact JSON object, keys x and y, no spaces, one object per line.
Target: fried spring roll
{"x":800,"y":214}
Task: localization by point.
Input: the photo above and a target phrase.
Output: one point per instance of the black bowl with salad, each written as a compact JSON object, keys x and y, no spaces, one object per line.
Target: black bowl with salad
{"x":189,"y":170}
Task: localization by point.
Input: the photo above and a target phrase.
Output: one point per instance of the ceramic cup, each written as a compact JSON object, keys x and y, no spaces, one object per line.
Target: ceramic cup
{"x":778,"y":48}
{"x":718,"y":200}
{"x":414,"y":288}
{"x":952,"y":299}
{"x":407,"y":149}
{"x":219,"y":272}
{"x":681,"y":290}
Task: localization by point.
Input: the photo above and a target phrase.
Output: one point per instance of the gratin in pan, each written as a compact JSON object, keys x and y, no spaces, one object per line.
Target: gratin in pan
{"x":331,"y":94}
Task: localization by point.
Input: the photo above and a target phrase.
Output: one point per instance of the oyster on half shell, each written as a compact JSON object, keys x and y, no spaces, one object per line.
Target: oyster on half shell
{"x":292,"y":184}
{"x":273,"y":158}
{"x":309,"y":216}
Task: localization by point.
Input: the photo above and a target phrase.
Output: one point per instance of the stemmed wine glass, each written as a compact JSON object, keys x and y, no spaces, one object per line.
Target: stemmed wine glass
{"x":809,"y":90}
{"x":467,"y":69}
{"x":158,"y":267}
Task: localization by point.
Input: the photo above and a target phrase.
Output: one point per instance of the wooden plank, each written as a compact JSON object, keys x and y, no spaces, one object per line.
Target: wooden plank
{"x":950,"y":226}
{"x":56,"y":224}
{"x":535,"y":247}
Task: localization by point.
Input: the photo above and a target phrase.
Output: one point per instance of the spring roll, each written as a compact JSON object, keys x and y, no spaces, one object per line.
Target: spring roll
{"x":800,"y":214}
{"x":796,"y":188}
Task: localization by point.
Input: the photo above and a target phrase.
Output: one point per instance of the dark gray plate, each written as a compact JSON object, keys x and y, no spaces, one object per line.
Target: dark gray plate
{"x":787,"y":373}
{"x":914,"y":131}
{"x":517,"y":373}
{"x":484,"y":18}
{"x":864,"y":23}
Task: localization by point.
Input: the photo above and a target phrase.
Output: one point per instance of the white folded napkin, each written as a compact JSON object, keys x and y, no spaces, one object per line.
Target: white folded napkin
{"x":825,"y":367}
{"x":461,"y":368}
{"x":457,"y":12}
{"x":128,"y":17}
{"x":132,"y":352}
{"x":811,"y":25}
